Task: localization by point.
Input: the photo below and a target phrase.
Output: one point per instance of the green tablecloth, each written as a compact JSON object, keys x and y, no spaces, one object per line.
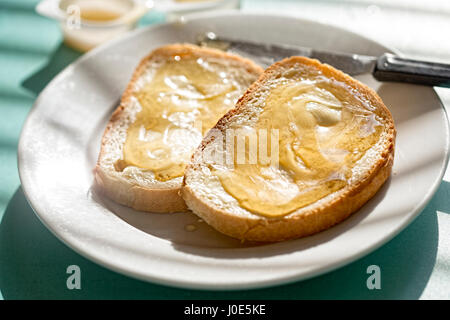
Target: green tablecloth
{"x":415,"y":264}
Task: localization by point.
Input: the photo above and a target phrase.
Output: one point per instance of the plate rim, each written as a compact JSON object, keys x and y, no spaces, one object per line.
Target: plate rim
{"x":210,"y":286}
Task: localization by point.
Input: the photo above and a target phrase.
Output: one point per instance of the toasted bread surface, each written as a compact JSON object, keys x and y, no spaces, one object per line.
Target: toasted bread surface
{"x":206,"y":196}
{"x":137,"y":187}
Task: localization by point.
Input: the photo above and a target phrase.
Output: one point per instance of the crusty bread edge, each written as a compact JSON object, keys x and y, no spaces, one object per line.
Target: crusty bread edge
{"x":320,"y":217}
{"x":142,"y":198}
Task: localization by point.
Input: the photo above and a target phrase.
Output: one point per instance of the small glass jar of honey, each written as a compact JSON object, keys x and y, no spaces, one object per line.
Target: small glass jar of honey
{"x":88,"y":23}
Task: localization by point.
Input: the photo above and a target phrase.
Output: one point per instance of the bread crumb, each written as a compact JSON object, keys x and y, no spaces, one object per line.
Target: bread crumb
{"x":190,"y":227}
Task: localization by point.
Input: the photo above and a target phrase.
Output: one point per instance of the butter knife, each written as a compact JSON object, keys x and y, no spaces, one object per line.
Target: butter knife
{"x":387,"y":67}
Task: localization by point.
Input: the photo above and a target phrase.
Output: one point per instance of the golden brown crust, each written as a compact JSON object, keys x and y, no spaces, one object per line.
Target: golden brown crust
{"x":320,"y":217}
{"x":133,"y":195}
{"x":137,"y":197}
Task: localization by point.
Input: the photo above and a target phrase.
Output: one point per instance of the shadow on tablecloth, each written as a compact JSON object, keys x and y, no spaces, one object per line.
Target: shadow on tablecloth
{"x":61,"y":58}
{"x":33,"y":265}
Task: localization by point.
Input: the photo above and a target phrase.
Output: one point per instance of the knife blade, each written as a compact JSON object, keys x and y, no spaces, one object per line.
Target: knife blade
{"x":267,"y":54}
{"x":387,"y":67}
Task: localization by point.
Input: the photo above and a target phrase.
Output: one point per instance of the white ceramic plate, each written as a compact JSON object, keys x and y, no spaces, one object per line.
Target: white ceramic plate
{"x":61,"y":139}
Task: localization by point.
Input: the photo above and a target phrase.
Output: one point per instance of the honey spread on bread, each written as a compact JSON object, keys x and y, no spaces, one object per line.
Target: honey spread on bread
{"x":324,"y":129}
{"x":304,"y":148}
{"x":183,"y":99}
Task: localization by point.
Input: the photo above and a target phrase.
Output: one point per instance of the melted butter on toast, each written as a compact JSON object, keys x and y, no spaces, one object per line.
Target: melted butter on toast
{"x":184,"y":98}
{"x":324,"y":129}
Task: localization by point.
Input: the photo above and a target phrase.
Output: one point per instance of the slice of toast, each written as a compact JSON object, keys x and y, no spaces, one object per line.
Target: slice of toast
{"x":176,"y":94}
{"x":331,"y":147}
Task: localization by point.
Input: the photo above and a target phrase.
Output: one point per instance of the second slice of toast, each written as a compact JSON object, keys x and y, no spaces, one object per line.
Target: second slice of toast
{"x":176,"y":94}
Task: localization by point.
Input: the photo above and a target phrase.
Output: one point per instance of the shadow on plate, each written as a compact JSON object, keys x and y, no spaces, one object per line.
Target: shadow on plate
{"x":187,"y":233}
{"x":33,"y":266}
{"x":180,"y":228}
{"x":400,"y":97}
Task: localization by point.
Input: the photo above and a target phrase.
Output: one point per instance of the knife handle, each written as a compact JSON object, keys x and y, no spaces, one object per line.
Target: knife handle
{"x":394,"y":68}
